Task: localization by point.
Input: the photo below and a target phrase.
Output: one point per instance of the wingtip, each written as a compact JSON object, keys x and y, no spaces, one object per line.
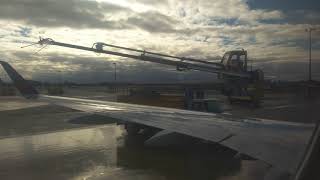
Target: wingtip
{"x":24,"y":87}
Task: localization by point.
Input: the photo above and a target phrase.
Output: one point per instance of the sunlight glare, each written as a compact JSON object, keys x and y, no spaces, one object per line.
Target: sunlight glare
{"x":138,"y":7}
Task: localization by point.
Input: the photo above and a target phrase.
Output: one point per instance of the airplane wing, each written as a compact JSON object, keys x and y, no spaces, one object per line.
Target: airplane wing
{"x":280,"y":144}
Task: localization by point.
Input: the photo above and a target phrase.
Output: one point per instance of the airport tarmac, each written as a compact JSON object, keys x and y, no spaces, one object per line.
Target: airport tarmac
{"x":43,"y":141}
{"x":282,"y":107}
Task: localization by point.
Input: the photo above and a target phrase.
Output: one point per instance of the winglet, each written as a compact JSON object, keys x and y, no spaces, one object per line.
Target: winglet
{"x":20,"y":83}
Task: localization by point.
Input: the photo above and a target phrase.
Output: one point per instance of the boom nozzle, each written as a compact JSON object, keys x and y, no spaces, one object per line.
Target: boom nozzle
{"x":45,"y":41}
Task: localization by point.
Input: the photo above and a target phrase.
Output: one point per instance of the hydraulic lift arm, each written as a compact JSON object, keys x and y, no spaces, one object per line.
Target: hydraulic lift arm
{"x":239,"y":82}
{"x":179,"y":62}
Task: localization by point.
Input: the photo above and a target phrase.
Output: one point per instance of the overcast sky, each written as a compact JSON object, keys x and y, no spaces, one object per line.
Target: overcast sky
{"x":272,"y":31}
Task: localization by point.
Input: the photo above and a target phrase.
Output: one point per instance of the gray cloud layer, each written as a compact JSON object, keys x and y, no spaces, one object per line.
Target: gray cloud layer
{"x":196,"y":28}
{"x":82,"y":14}
{"x":52,"y":13}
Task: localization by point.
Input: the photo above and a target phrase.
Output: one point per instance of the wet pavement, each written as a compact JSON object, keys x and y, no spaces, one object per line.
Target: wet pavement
{"x":281,"y":107}
{"x":101,"y":153}
{"x":52,"y":142}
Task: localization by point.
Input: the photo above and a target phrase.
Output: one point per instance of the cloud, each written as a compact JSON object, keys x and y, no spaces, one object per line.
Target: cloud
{"x":24,"y":31}
{"x":69,"y":13}
{"x":84,"y":14}
{"x":154,"y":22}
{"x":92,"y":14}
{"x":202,"y":11}
{"x":56,"y":67}
{"x":193,"y":28}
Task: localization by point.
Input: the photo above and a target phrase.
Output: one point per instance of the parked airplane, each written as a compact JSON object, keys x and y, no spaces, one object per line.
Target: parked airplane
{"x":287,"y":147}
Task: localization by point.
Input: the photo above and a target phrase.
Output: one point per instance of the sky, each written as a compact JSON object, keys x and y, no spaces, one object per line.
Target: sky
{"x":272,"y":31}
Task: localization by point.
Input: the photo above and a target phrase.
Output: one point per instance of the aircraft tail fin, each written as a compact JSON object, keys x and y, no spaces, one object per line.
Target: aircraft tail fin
{"x":24,"y":87}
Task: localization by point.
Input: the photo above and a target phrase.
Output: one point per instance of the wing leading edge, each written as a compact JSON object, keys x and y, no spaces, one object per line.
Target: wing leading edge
{"x":280,"y":144}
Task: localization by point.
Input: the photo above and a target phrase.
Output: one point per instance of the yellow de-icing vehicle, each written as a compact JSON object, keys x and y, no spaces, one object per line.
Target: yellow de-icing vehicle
{"x":239,"y":82}
{"x":238,"y":88}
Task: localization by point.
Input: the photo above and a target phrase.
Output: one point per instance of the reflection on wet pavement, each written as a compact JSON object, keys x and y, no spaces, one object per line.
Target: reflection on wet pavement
{"x":106,"y":153}
{"x":13,"y":102}
{"x":59,"y":155}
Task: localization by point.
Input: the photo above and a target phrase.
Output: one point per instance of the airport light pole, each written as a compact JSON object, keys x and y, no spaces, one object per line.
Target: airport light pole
{"x":60,"y":77}
{"x":115,"y":76}
{"x":115,"y":71}
{"x":309,"y":30}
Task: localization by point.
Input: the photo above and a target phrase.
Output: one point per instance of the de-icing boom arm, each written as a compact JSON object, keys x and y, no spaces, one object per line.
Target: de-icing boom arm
{"x":179,"y":63}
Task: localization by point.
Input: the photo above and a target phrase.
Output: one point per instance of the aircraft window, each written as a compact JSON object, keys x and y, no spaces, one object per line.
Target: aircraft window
{"x":178,"y":90}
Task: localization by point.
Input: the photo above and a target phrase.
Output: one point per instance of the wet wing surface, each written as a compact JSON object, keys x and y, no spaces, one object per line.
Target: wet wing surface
{"x":277,"y":143}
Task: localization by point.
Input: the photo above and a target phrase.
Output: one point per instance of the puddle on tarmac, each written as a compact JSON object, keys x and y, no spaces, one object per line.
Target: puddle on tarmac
{"x":107,"y":153}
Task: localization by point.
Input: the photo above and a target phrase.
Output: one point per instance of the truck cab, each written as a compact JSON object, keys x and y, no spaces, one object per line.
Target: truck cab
{"x":235,"y":60}
{"x":239,"y":89}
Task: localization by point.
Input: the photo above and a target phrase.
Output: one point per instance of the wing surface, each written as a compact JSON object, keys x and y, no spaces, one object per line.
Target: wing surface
{"x":281,"y":144}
